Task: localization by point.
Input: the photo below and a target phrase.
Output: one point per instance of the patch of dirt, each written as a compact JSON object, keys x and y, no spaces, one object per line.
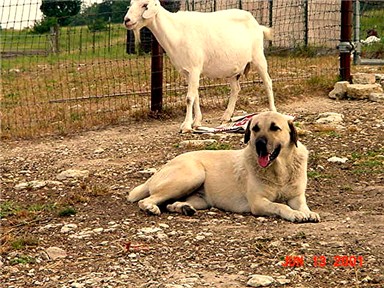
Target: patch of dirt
{"x":108,"y":242}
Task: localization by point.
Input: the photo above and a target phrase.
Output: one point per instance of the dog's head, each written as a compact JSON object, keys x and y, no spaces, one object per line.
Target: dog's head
{"x":269,"y":133}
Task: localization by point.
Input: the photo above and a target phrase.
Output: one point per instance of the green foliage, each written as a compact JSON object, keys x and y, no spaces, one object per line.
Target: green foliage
{"x":44,"y":25}
{"x":8,"y":208}
{"x":218,"y":146}
{"x":61,"y":9}
{"x":22,"y":259}
{"x":67,"y":211}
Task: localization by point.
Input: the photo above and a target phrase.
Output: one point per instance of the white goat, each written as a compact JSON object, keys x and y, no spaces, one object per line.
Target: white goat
{"x":219,"y":44}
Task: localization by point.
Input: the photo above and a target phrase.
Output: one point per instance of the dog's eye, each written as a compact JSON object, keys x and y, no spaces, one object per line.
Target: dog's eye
{"x":256,"y":128}
{"x":145,"y":6}
{"x":274,"y":127}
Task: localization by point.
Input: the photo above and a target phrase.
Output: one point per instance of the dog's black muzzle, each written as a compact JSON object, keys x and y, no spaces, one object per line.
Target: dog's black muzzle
{"x":261,"y":146}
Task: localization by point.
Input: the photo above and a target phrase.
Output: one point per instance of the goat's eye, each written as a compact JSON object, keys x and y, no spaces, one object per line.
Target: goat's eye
{"x":256,"y":128}
{"x":274,"y":127}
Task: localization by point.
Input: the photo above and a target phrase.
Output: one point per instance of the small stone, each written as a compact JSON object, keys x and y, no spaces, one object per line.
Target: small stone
{"x":55,"y":253}
{"x":35,"y":184}
{"x":335,"y":159}
{"x":72,"y":173}
{"x":330,"y":118}
{"x":196,"y":143}
{"x":376,"y":97}
{"x":339,"y":91}
{"x":260,"y":281}
{"x":149,"y":230}
{"x":363,"y":78}
{"x":68,"y":227}
{"x":362,"y":91}
{"x":149,"y":171}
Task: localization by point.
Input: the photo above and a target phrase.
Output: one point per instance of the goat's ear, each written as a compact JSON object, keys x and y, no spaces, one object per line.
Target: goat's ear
{"x":247,"y":134}
{"x":293,"y":132}
{"x":152,"y":9}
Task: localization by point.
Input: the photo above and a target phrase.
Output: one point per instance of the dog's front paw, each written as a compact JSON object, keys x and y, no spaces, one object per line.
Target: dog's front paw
{"x":149,"y":208}
{"x":313,"y":217}
{"x":301,"y":217}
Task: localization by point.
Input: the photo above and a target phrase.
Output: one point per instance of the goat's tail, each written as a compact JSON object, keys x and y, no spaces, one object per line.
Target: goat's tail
{"x":268,"y":33}
{"x":139,"y":192}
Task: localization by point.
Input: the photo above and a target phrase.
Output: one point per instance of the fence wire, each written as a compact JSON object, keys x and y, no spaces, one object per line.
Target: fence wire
{"x":66,"y":73}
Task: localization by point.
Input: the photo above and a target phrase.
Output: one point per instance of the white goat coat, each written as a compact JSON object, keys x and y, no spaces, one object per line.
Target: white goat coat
{"x":212,"y":46}
{"x":219,"y":44}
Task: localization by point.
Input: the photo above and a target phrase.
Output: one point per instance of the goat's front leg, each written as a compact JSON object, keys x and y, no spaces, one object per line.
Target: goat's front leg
{"x":192,"y":95}
{"x":235,"y":89}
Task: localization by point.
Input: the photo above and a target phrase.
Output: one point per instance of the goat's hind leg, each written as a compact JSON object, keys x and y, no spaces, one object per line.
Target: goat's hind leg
{"x":235,"y":89}
{"x":260,"y":62}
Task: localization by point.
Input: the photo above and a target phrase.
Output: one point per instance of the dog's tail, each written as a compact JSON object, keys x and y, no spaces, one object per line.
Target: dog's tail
{"x":139,"y":193}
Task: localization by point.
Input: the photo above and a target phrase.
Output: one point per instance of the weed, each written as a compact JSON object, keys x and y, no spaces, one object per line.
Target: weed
{"x":67,"y":211}
{"x":22,"y":243}
{"x":8,"y":208}
{"x":218,"y":146}
{"x":22,"y":259}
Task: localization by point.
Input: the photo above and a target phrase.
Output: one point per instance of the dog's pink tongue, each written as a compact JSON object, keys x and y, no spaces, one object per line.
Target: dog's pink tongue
{"x":264,"y":161}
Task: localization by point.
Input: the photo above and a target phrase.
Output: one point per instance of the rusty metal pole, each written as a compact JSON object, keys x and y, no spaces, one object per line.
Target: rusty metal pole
{"x":345,"y":46}
{"x":156,"y":77}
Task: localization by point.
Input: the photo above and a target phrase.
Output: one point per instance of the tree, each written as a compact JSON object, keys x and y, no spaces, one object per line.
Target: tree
{"x":61,"y":9}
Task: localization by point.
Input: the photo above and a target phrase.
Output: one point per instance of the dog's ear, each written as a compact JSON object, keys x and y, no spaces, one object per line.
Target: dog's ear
{"x":293,"y":132}
{"x":247,"y":135}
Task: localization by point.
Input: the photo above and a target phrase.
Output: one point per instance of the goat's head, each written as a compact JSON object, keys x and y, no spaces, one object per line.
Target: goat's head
{"x":140,"y":13}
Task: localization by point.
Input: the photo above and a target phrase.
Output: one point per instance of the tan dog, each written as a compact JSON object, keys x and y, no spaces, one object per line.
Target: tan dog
{"x":272,"y":168}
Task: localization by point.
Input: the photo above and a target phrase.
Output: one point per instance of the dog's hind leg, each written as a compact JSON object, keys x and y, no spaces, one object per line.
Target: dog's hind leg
{"x":138,"y":193}
{"x":174,"y":182}
{"x":189,"y":206}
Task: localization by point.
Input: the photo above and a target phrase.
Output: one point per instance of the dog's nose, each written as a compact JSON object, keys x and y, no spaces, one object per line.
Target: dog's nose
{"x":261,"y":146}
{"x":126,"y":20}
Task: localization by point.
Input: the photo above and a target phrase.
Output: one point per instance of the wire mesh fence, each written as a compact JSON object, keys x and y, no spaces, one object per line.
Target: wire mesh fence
{"x":72,"y":72}
{"x":369,"y":32}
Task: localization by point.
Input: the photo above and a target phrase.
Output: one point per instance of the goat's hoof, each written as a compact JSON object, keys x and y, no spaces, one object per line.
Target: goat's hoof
{"x":186,"y":129}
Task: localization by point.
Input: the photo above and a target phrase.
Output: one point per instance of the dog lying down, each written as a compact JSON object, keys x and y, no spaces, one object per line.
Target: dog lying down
{"x":267,"y":177}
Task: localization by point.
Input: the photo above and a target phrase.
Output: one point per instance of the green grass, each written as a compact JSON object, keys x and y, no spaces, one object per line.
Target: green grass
{"x":372,"y":19}
{"x":67,"y":211}
{"x":368,"y":162}
{"x":218,"y":146}
{"x":22,"y":259}
{"x":8,"y":208}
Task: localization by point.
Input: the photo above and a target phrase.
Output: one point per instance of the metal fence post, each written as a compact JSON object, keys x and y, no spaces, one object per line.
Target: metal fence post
{"x":156,"y":76}
{"x":345,"y":46}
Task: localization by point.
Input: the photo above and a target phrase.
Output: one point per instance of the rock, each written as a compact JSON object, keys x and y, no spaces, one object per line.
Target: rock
{"x":72,"y":173}
{"x":335,"y":159}
{"x":68,"y":227}
{"x":339,"y":91}
{"x":98,"y":151}
{"x":258,"y":280}
{"x":35,"y":184}
{"x":330,"y":118}
{"x":55,"y":253}
{"x":363,"y":78}
{"x":362,"y":91}
{"x":196,"y":143}
{"x":149,"y":171}
{"x":149,"y":230}
{"x":376,"y":97}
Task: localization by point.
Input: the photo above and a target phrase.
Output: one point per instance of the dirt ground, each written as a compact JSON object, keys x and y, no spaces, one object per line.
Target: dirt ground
{"x":105,"y":241}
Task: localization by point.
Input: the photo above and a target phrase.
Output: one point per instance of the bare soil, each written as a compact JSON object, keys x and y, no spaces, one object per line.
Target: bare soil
{"x":108,"y":247}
